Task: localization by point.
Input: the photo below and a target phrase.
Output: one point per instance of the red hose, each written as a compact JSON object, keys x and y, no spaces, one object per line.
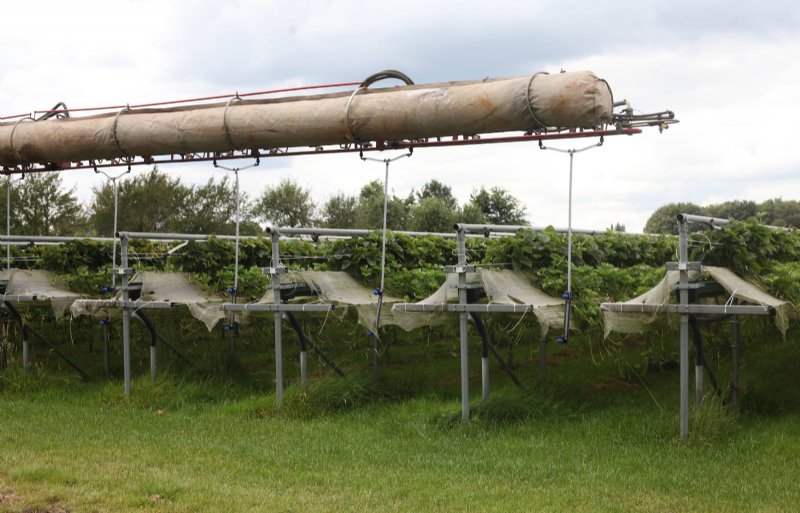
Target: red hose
{"x":189,"y":100}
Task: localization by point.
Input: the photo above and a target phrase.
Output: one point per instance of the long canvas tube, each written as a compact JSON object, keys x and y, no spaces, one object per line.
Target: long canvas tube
{"x":561,"y":100}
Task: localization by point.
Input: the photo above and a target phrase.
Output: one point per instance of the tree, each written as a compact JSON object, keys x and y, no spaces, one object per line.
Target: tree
{"x":499,"y":206}
{"x":148,"y":202}
{"x":436,"y":189}
{"x":736,"y":209}
{"x":432,"y":214}
{"x":663,"y":219}
{"x":287,"y":204}
{"x":470,"y":213}
{"x":340,"y":211}
{"x":12,"y":182}
{"x":370,"y":209}
{"x":780,"y":212}
{"x":211,"y":208}
{"x":41,"y":206}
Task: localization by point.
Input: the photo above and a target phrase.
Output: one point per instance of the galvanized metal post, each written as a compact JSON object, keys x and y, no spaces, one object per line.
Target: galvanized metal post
{"x":106,"y":337}
{"x":26,"y":348}
{"x":683,"y":292}
{"x":735,"y":360}
{"x":462,"y":323}
{"x":8,"y":221}
{"x":275,"y":282}
{"x":304,"y":369}
{"x":153,"y":365}
{"x":126,"y":318}
{"x":233,"y":323}
{"x":485,"y":377}
{"x":699,"y":370}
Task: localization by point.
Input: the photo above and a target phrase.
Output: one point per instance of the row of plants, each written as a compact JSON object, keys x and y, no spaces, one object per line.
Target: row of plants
{"x":607,"y":266}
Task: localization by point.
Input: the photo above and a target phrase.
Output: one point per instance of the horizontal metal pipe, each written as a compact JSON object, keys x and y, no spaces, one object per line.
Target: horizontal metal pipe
{"x":272,"y":307}
{"x":181,"y":236}
{"x":527,"y":103}
{"x":716,"y":221}
{"x":47,"y":239}
{"x":499,"y":228}
{"x":688,"y":309}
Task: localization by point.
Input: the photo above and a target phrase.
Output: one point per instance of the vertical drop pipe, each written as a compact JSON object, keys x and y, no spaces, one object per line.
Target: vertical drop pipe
{"x":275,"y":283}
{"x":683,"y":292}
{"x":126,"y":318}
{"x":106,"y":344}
{"x":462,"y":323}
{"x":26,"y":350}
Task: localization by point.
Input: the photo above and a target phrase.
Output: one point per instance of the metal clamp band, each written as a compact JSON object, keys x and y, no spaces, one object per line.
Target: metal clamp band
{"x":11,"y":137}
{"x":114,"y":132}
{"x":349,"y":135}
{"x":375,"y":77}
{"x":528,"y":99}
{"x":225,"y":121}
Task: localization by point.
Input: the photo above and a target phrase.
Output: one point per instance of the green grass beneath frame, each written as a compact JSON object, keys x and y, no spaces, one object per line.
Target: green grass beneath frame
{"x":599,"y":435}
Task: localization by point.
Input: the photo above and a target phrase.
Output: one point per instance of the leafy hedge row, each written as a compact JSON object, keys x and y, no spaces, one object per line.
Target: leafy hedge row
{"x":607,"y":266}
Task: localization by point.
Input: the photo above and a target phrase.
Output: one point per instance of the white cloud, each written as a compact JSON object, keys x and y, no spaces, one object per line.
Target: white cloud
{"x":729,"y":72}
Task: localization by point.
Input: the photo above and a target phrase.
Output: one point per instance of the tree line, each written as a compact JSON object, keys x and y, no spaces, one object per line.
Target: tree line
{"x":153,"y":201}
{"x":776,"y":212}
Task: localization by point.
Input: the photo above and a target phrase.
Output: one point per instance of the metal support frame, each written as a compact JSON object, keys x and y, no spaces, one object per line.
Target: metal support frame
{"x":26,"y":329}
{"x":438,"y":142}
{"x":567,"y":295}
{"x":488,"y":347}
{"x":106,"y":323}
{"x":376,"y":337}
{"x":306,"y":341}
{"x":115,"y":190}
{"x":234,"y":291}
{"x":126,"y":316}
{"x":275,"y":285}
{"x":683,"y":297}
{"x":462,"y":323}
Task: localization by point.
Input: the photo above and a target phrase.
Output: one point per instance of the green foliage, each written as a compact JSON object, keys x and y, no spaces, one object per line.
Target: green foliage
{"x":340,"y":211}
{"x":776,"y":212}
{"x":499,"y":206}
{"x":148,"y":202}
{"x":78,"y":254}
{"x":41,"y":206}
{"x":369,"y":213}
{"x":287,"y":204}
{"x":432,"y":214}
{"x":663,"y":219}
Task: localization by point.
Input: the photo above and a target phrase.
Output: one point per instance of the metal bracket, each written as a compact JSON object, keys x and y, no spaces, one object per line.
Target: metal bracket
{"x":126,"y":271}
{"x":459,"y":269}
{"x":685,"y":266}
{"x":272,"y":271}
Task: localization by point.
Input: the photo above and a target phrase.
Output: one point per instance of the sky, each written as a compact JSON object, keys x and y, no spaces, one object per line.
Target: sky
{"x":729,"y":70}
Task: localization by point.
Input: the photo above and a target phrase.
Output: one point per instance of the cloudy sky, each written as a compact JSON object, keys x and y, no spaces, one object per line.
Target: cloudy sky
{"x":730,"y":70}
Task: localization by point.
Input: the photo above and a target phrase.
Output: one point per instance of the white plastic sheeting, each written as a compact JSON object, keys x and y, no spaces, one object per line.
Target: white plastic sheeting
{"x":502,"y":287}
{"x":43,"y":284}
{"x":660,"y":295}
{"x":172,"y":287}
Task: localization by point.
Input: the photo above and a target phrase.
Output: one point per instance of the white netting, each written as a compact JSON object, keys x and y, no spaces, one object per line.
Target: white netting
{"x":653,"y":301}
{"x":342,"y":289}
{"x":503,"y":287}
{"x":43,"y":284}
{"x":750,"y":293}
{"x":171,"y":287}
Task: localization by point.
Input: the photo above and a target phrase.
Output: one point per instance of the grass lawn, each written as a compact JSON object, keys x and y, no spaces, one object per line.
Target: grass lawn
{"x":593,"y":438}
